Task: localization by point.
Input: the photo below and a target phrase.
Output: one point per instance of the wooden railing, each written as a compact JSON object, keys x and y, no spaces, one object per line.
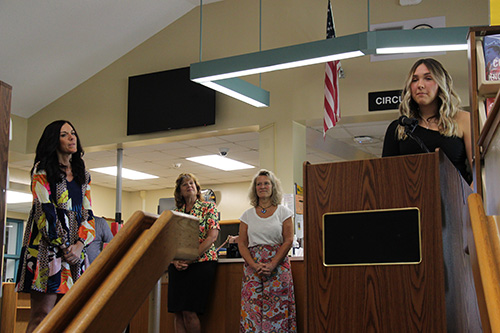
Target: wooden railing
{"x":15,"y":309}
{"x":109,"y":293}
{"x":486,"y":234}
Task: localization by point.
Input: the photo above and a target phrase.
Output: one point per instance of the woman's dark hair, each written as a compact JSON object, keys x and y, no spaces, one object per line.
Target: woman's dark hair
{"x":46,"y":157}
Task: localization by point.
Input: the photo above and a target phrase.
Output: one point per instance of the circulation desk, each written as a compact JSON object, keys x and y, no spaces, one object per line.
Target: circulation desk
{"x":223,"y":313}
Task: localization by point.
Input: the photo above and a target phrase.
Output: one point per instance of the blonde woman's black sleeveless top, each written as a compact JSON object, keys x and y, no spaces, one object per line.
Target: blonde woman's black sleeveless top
{"x":453,"y":147}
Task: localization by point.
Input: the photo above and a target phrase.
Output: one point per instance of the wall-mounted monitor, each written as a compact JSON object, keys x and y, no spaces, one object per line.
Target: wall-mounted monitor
{"x":168,"y":100}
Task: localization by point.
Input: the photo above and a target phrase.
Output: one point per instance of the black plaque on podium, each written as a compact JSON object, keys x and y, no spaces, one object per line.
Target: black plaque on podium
{"x":372,"y":237}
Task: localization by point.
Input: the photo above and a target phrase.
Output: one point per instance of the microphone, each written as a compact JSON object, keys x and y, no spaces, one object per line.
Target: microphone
{"x":405,"y":121}
{"x":410,"y":124}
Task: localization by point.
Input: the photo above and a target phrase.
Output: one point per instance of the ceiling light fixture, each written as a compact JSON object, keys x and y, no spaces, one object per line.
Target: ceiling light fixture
{"x":220,"y":162}
{"x":281,"y":58}
{"x":126,"y":173}
{"x":421,"y":40}
{"x":214,"y":73}
{"x":364,"y":139}
{"x":241,"y":90}
{"x":14,"y":197}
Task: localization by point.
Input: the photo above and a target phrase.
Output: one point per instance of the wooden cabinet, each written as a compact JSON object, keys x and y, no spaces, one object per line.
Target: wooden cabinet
{"x":479,"y":90}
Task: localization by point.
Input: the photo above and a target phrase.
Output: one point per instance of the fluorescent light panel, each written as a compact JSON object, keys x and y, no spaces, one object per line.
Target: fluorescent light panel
{"x":14,"y":197}
{"x":126,"y":173}
{"x":419,"y":49}
{"x":420,"y":40}
{"x":241,"y":90}
{"x":220,"y":162}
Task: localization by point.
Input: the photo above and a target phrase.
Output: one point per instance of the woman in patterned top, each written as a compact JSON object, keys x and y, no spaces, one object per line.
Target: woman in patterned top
{"x":190,"y":283}
{"x":61,"y":222}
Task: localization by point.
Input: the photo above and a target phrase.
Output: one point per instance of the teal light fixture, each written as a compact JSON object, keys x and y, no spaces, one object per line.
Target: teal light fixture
{"x":350,"y":46}
{"x":223,"y":74}
{"x":281,"y":58}
{"x":420,"y":40}
{"x":241,"y":90}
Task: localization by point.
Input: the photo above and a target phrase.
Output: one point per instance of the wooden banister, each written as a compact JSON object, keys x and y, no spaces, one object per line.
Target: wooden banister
{"x":116,"y":284}
{"x":486,"y":230}
{"x":9,"y":307}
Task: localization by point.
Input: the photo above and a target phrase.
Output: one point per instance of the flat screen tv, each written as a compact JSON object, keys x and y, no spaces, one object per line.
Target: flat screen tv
{"x":168,"y":100}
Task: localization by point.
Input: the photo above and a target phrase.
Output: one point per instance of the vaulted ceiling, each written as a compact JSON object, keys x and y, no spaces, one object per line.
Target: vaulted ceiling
{"x":50,"y":47}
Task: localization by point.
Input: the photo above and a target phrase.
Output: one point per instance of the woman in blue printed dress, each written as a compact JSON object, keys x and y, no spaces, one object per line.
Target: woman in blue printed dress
{"x":265,"y":237}
{"x":190,"y":282}
{"x":61,"y":222}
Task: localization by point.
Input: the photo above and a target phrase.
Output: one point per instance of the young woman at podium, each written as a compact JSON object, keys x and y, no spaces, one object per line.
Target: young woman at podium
{"x":431,"y":118}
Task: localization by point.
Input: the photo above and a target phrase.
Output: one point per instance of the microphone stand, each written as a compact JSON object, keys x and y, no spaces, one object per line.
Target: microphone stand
{"x":409,"y":131}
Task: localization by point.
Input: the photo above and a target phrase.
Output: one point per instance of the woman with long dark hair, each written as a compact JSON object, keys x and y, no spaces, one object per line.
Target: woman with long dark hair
{"x":61,"y":222}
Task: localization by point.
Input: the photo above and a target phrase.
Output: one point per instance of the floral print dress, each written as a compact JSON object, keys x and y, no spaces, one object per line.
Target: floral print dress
{"x":209,"y":219}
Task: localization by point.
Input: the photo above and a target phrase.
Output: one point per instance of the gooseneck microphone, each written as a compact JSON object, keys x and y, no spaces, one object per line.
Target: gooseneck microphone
{"x":410,"y":124}
{"x":405,"y":121}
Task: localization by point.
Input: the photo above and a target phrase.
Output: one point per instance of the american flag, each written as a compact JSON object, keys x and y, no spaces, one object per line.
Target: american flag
{"x":333,"y":68}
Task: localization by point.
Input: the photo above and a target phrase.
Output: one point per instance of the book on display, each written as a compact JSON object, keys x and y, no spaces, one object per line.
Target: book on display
{"x":492,"y":57}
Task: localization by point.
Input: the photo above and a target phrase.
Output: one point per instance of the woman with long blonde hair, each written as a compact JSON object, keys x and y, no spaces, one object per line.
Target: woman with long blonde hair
{"x":266,"y":235}
{"x":429,"y":98}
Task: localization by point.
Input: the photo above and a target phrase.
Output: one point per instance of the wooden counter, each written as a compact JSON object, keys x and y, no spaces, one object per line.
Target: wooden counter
{"x":223,"y":313}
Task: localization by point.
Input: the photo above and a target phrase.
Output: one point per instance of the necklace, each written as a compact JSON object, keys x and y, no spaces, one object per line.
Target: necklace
{"x":428,"y":121}
{"x":264,"y":210}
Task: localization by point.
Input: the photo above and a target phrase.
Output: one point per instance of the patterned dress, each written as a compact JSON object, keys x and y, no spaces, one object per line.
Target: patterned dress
{"x":51,"y":227}
{"x":209,"y":219}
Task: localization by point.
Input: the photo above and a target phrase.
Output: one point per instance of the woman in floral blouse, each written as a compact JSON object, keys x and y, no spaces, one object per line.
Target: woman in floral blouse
{"x":61,"y":222}
{"x":190,"y":282}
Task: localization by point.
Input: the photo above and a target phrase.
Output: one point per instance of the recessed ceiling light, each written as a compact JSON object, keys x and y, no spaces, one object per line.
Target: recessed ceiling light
{"x":364,"y":139}
{"x":220,"y":162}
{"x":126,"y":173}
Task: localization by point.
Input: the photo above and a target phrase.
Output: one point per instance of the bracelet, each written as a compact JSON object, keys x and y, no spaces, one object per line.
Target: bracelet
{"x":81,"y":240}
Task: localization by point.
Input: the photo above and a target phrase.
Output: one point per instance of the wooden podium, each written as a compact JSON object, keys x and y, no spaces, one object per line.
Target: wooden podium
{"x":435,"y":295}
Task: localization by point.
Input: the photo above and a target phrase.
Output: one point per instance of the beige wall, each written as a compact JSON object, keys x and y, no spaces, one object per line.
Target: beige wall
{"x":232,"y":200}
{"x":98,"y":106}
{"x":16,"y":215}
{"x":19,"y":134}
{"x":231,"y":27}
